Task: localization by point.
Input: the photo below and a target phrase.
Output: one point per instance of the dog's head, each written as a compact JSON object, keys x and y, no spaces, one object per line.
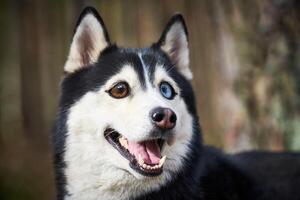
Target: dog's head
{"x":129,"y":112}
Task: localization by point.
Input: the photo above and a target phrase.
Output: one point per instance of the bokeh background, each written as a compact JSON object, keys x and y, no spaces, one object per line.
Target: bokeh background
{"x":245,"y":56}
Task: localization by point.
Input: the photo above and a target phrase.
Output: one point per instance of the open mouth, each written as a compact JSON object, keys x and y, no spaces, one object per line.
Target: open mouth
{"x":144,"y":157}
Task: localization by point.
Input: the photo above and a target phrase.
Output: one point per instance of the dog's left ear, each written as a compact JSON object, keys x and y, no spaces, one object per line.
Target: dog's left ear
{"x":89,"y":40}
{"x":174,"y":42}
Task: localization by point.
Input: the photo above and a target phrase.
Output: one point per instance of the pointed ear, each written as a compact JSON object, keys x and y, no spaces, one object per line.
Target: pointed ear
{"x":174,"y":42}
{"x":90,"y":38}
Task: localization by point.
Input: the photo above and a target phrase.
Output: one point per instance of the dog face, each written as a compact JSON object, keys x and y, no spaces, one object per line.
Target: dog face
{"x":129,"y":112}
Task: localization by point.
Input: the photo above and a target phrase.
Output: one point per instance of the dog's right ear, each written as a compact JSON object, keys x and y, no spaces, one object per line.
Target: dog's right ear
{"x":89,"y":40}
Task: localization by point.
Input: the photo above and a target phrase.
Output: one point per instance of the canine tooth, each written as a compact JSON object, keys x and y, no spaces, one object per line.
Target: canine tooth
{"x":140,"y":160}
{"x":126,"y":143}
{"x":162,"y":161}
{"x":123,"y":141}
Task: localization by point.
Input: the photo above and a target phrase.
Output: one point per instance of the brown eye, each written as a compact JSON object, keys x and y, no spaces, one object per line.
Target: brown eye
{"x":120,"y":90}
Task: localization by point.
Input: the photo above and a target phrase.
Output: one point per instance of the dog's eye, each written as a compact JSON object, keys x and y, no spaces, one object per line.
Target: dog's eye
{"x":120,"y":90}
{"x":167,"y":90}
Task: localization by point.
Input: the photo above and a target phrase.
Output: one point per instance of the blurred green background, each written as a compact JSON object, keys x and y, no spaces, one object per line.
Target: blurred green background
{"x":245,"y":56}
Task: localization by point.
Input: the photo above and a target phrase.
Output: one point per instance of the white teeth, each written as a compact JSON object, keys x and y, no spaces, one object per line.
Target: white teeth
{"x":123,"y":141}
{"x":142,"y":163}
{"x":140,"y":160}
{"x":145,"y":166}
{"x":162,"y":161}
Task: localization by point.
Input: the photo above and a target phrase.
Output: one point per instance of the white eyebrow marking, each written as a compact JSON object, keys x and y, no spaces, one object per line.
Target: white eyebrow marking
{"x":146,"y":73}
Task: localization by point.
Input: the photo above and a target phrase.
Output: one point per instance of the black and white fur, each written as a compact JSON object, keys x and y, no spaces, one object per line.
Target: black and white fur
{"x":88,"y":167}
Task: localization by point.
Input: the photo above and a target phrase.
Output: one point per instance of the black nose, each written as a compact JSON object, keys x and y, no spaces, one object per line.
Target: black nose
{"x":163,"y":118}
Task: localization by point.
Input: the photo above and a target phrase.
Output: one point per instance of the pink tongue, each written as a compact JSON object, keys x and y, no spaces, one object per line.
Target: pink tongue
{"x":149,"y":151}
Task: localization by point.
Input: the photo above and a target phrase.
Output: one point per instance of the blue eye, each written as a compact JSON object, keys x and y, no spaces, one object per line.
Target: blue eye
{"x":167,"y":90}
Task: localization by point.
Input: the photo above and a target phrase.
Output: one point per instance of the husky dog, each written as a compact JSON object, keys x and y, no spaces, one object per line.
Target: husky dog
{"x":127,"y":128}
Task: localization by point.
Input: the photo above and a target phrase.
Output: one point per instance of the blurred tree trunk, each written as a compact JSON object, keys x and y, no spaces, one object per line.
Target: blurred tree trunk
{"x":264,"y":82}
{"x":31,"y":93}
